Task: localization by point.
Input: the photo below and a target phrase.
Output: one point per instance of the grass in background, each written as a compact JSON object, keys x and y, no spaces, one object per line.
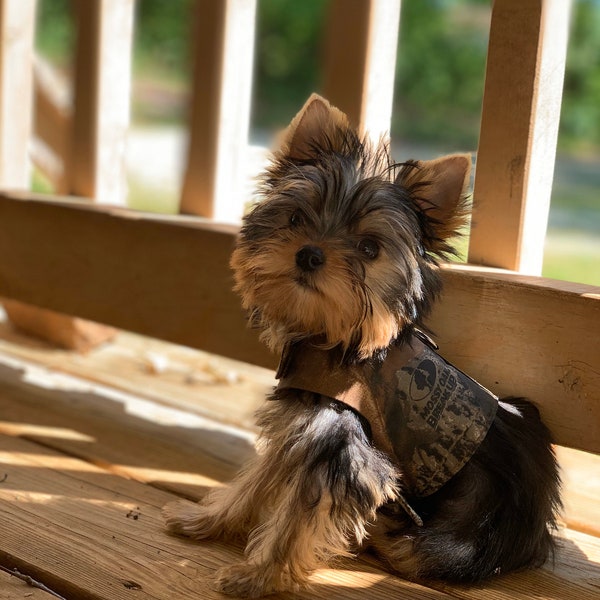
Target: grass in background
{"x":149,"y":198}
{"x":572,"y":256}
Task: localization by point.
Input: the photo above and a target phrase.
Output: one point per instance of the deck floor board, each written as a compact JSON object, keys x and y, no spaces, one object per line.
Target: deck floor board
{"x":89,"y":533}
{"x":87,"y":470}
{"x":13,"y":588}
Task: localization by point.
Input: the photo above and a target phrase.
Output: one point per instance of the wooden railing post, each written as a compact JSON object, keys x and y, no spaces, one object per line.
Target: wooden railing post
{"x":359,"y":64}
{"x":93,"y":145}
{"x":519,"y":128}
{"x":96,"y":166}
{"x":220,"y":110}
{"x":17,"y":28}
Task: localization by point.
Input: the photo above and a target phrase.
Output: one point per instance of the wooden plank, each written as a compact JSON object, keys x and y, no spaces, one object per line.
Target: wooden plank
{"x":52,"y":126}
{"x":489,"y":324}
{"x":83,"y":535}
{"x":220,"y":109}
{"x":359,"y":61}
{"x":210,"y":385}
{"x":101,"y":99}
{"x":17,"y":26}
{"x":12,"y":587}
{"x":95,"y":535}
{"x":110,"y":269}
{"x":519,"y":128}
{"x":531,"y":337}
{"x":82,"y":538}
{"x":126,"y":434}
{"x":175,"y":451}
{"x":581,"y":489}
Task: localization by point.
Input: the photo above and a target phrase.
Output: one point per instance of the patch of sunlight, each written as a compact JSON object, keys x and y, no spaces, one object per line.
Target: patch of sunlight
{"x":57,"y":463}
{"x":21,"y":429}
{"x":144,"y":409}
{"x":51,"y":380}
{"x":164,"y":476}
{"x":46,"y":498}
{"x":166,"y":415}
{"x":31,"y":497}
{"x":355,"y":578}
{"x":66,"y":463}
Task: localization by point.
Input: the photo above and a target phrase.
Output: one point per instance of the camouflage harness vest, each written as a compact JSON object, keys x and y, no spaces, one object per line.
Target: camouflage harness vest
{"x":425,"y":414}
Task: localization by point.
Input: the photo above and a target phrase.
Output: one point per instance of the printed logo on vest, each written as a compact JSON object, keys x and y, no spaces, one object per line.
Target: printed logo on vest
{"x":445,"y":415}
{"x":431,"y":387}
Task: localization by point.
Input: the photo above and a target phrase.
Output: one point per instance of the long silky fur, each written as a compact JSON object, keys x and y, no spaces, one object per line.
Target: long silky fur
{"x":495,"y":516}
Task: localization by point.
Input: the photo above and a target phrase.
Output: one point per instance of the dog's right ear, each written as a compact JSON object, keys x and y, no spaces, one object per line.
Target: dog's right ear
{"x":317,"y":127}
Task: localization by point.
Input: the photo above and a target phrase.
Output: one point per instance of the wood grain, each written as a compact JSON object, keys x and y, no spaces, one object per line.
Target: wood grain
{"x":359,"y":62}
{"x":13,"y":587}
{"x":17,"y":26}
{"x":525,"y":336}
{"x":220,"y":109}
{"x":96,"y":535}
{"x":167,"y":277}
{"x":131,"y":435}
{"x":180,"y":452}
{"x":519,"y":128}
{"x":212,"y":386}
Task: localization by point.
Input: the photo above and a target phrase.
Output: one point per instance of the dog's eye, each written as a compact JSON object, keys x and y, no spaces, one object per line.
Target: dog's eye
{"x":369,"y":247}
{"x":296,"y":219}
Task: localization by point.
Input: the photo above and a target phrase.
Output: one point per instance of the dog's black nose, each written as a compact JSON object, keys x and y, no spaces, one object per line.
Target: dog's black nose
{"x":310,"y":258}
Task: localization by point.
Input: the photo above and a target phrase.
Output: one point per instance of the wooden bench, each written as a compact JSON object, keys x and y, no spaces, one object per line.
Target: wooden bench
{"x":86,"y":467}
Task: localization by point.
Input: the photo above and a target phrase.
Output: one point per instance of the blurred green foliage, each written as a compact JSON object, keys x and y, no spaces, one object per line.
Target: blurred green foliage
{"x":287,"y":58}
{"x":440,"y":69}
{"x":581,"y":101}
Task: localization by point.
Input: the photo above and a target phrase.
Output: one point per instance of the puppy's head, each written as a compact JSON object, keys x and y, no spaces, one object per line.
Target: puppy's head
{"x":342,"y":243}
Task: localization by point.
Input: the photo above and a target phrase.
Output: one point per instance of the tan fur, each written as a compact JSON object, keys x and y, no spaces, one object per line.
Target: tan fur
{"x":439,"y":188}
{"x":316,"y":121}
{"x":265,"y":505}
{"x":330,"y":310}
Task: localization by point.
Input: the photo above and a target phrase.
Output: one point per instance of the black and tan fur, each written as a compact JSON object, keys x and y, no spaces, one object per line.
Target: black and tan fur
{"x":343,"y":246}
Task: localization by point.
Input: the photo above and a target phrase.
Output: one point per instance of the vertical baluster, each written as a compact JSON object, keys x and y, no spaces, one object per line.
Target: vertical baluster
{"x":220,"y":110}
{"x":360,"y":59}
{"x":96,"y":168}
{"x":519,"y":128}
{"x":17,"y":28}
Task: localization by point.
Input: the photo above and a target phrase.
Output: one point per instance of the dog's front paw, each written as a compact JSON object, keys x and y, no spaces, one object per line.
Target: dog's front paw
{"x":247,"y":580}
{"x":192,"y":520}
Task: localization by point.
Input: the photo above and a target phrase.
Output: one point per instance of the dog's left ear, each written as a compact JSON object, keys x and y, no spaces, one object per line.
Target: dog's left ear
{"x":439,"y":188}
{"x":318,"y":126}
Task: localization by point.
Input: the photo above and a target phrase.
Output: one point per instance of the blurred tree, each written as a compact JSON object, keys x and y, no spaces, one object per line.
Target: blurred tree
{"x":440,"y":70}
{"x":163,"y":33}
{"x":55,"y":32}
{"x":287,"y":57}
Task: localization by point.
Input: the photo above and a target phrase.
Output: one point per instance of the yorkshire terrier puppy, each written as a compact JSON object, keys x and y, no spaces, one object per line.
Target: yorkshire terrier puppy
{"x":371,"y":440}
